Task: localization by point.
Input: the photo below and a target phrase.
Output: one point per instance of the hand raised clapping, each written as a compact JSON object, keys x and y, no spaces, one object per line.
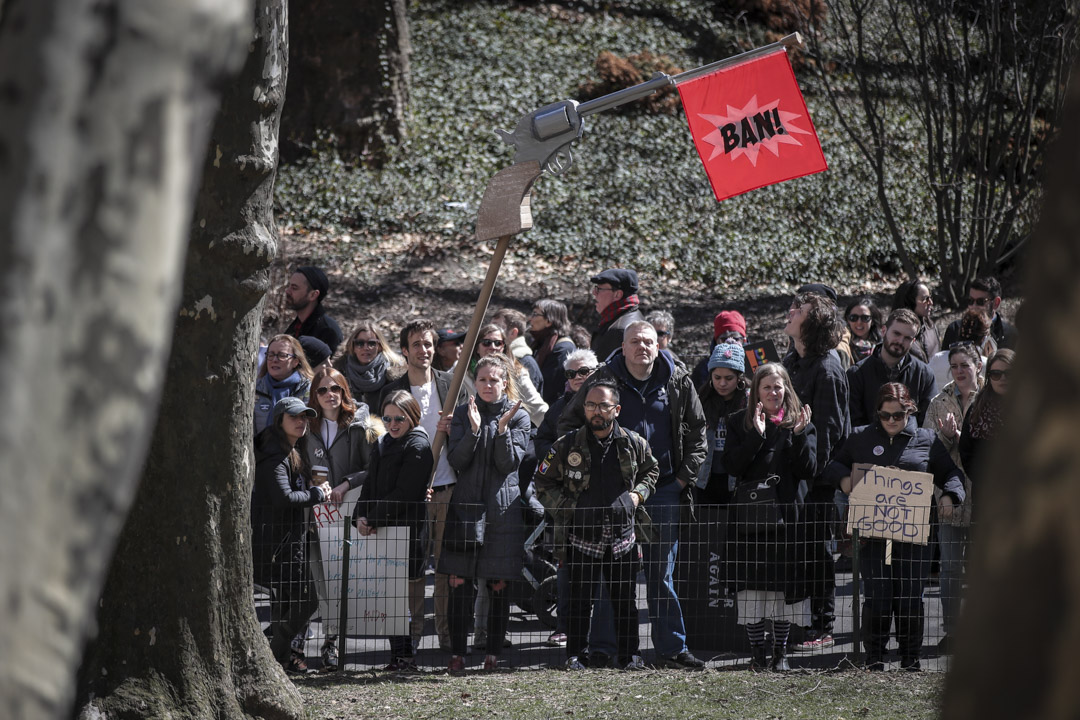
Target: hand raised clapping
{"x":947,"y":426}
{"x":504,"y":421}
{"x":474,"y":414}
{"x":759,"y":419}
{"x":803,"y":421}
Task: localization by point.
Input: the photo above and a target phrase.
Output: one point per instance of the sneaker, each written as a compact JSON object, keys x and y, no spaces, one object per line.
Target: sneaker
{"x":636,"y":663}
{"x":457,"y":664}
{"x":556,"y":639}
{"x":811,"y":644}
{"x":329,"y":656}
{"x":683,"y":661}
{"x":574,"y":663}
{"x":297,"y":664}
{"x":491,"y":663}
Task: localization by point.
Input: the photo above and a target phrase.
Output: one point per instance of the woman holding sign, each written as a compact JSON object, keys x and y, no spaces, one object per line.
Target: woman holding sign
{"x":393,"y":494}
{"x":894,"y":584}
{"x":770,"y":447}
{"x":484,"y":537}
{"x":337,"y":449}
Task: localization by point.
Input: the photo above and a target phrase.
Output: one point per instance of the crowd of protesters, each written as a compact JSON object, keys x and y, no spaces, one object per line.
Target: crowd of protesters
{"x":613,"y":441}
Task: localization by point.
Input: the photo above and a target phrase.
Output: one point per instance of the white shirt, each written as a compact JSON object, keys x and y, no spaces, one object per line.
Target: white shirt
{"x":428,"y":398}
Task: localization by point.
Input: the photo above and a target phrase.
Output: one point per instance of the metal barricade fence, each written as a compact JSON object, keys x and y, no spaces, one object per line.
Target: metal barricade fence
{"x":337,"y":595}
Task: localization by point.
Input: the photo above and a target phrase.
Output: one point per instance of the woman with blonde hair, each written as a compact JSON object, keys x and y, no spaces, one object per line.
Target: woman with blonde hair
{"x":369,"y":363}
{"x":284,"y":373}
{"x":491,"y":340}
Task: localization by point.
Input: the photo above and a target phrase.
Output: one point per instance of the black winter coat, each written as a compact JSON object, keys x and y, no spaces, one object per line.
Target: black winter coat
{"x":866,"y":378}
{"x":278,"y":500}
{"x":914,"y":448}
{"x":393,"y":493}
{"x":487,"y":496}
{"x":771,"y":562}
{"x":822,"y":383}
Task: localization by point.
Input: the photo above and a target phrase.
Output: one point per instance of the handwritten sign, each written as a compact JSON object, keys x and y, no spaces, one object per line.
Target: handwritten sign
{"x":892,"y":504}
{"x":760,"y":353}
{"x":377,"y":596}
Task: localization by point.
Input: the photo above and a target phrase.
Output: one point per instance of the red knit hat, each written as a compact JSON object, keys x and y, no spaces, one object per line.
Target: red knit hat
{"x":728,"y":320}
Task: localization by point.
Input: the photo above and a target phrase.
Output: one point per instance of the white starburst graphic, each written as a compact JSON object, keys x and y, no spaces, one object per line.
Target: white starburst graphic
{"x":736,"y":117}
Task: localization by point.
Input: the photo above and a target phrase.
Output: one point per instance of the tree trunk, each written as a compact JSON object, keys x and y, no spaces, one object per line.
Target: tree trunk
{"x":179,"y":637}
{"x":1020,"y":629}
{"x":348,"y":76}
{"x":104,"y":107}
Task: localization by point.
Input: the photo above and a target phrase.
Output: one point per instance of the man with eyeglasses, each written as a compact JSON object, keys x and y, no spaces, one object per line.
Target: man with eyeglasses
{"x":891,"y":361}
{"x":430,"y":386}
{"x":593,"y":482}
{"x":615,"y":294}
{"x":985,"y":295}
{"x":307,"y":288}
{"x":658,"y":402}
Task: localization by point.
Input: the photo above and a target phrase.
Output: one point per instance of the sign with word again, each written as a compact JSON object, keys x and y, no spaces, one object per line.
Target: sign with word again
{"x":892,"y":504}
{"x":377,"y":593}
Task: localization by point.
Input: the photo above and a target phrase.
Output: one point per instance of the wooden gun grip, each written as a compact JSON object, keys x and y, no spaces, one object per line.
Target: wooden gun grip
{"x":505,"y":208}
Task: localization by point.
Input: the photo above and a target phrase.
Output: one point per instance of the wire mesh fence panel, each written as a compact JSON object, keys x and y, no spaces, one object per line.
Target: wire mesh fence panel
{"x":747,"y":583}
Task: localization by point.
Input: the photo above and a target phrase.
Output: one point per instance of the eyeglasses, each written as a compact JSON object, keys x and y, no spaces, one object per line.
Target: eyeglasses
{"x":858,"y":318}
{"x":998,"y":374}
{"x":536,"y":313}
{"x":492,"y":343}
{"x":336,"y":389}
{"x":978,"y":301}
{"x":366,"y":343}
{"x":387,"y":419}
{"x":279,"y":356}
{"x":580,"y":372}
{"x":599,"y":407}
{"x":597,"y":289}
{"x":883,"y":416}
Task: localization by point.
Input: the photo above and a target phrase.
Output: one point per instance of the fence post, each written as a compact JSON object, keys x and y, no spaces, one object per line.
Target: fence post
{"x":856,"y":603}
{"x":343,"y":604}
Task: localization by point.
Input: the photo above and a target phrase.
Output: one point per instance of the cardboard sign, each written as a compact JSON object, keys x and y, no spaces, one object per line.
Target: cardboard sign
{"x":760,"y":353}
{"x":892,"y":504}
{"x":377,"y":597}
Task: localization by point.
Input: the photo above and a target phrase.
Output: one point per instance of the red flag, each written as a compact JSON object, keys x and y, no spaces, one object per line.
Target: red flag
{"x":750,"y":125}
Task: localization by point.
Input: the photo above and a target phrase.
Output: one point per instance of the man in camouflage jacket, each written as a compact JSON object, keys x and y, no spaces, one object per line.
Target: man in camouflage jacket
{"x":594,"y":482}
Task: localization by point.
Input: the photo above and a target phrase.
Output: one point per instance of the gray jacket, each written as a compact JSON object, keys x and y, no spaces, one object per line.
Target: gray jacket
{"x":348,"y":455}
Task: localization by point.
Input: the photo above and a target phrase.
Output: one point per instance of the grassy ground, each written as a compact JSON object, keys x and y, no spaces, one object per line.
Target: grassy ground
{"x":613,"y":694}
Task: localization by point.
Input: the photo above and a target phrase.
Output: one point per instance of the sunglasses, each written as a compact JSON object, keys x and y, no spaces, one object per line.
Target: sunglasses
{"x":366,"y":343}
{"x":336,"y":389}
{"x":858,"y":318}
{"x":998,"y":374}
{"x":978,"y":301}
{"x":387,"y":419}
{"x":580,"y":372}
{"x":492,"y":343}
{"x":279,"y":356}
{"x":883,"y":416}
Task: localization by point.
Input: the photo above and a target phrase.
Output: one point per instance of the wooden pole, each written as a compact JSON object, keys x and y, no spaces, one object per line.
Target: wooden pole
{"x":504,"y":212}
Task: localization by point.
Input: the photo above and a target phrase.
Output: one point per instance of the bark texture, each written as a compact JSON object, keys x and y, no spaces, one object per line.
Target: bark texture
{"x":348,"y":76}
{"x":179,"y":637}
{"x":1021,"y":623}
{"x":104,"y":110}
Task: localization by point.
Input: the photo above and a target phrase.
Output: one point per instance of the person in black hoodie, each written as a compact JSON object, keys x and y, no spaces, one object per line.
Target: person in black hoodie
{"x":393,"y":494}
{"x":279,"y":527}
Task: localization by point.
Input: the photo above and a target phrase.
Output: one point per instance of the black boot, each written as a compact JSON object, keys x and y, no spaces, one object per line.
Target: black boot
{"x":757,"y":658}
{"x":779,"y":663}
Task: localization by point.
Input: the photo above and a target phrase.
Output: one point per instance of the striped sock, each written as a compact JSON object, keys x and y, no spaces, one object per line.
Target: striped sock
{"x":756,"y":633}
{"x":781,"y":628}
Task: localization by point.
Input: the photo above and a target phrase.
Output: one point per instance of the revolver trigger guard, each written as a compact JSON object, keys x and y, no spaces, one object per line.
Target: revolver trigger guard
{"x":560,"y":160}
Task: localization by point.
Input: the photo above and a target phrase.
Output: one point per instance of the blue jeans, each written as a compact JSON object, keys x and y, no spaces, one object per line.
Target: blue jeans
{"x":665,"y":612}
